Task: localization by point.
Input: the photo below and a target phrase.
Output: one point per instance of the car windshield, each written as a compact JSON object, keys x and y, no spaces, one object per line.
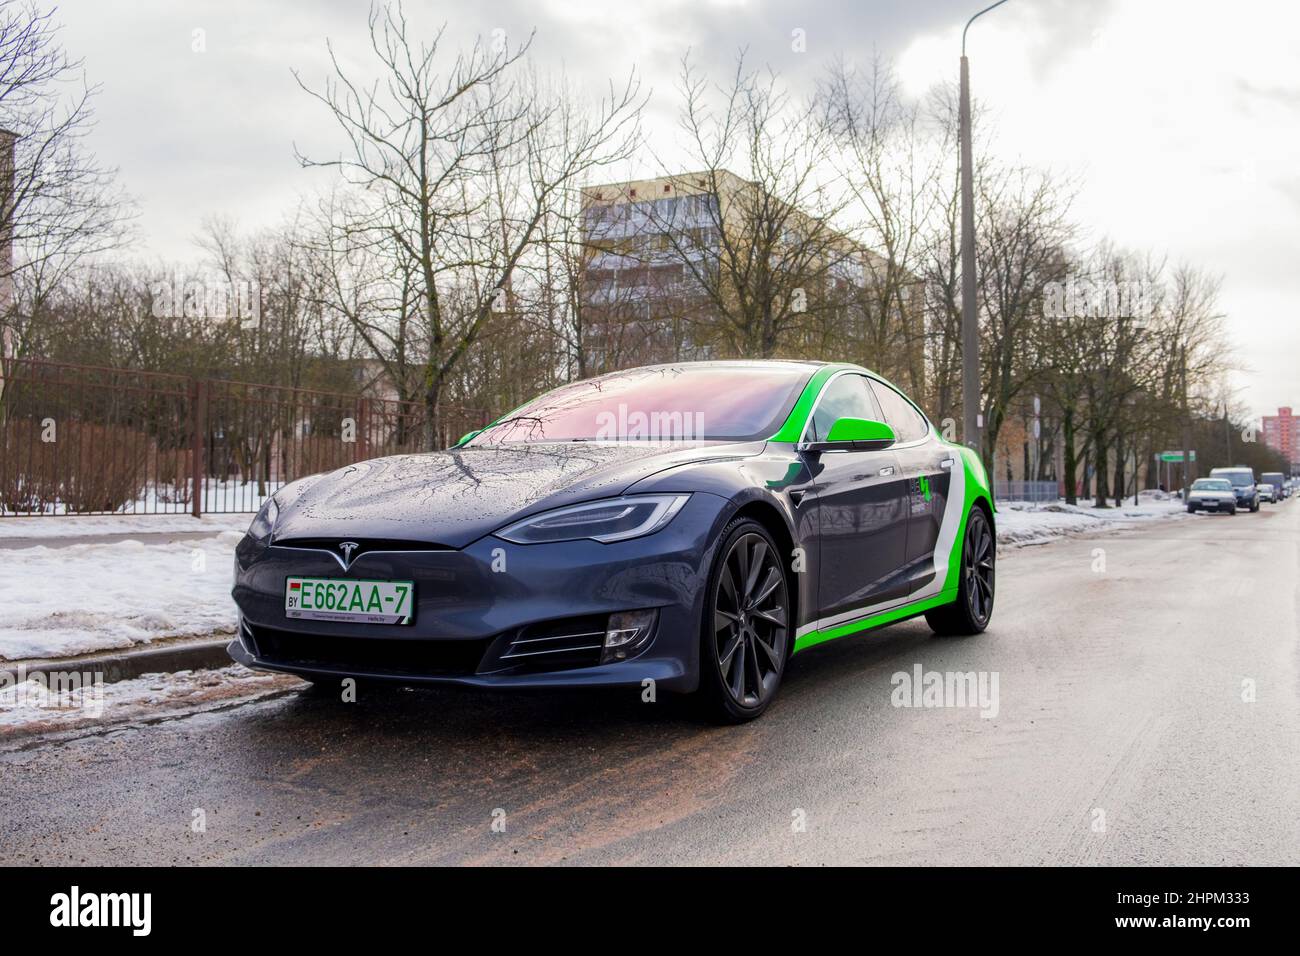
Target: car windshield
{"x":660,"y":403}
{"x":1211,"y":484}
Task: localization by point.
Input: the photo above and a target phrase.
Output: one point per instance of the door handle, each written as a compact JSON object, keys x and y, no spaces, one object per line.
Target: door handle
{"x":947,"y":463}
{"x":887,"y":470}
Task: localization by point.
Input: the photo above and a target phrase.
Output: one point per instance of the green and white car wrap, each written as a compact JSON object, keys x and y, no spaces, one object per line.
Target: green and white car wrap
{"x":968,"y":485}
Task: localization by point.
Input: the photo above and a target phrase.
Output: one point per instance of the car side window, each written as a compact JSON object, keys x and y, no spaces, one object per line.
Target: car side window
{"x":907,"y":422}
{"x":847,"y":397}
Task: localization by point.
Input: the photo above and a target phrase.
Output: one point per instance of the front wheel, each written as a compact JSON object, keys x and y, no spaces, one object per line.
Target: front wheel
{"x":745,"y":634}
{"x":970,"y":613}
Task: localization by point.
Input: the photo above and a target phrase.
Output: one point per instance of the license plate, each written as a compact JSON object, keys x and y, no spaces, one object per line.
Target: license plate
{"x":340,"y":599}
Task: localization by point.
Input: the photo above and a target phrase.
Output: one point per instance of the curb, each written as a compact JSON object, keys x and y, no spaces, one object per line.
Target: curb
{"x":127,"y":663}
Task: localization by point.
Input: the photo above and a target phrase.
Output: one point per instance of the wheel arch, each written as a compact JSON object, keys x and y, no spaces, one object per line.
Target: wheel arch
{"x":774,"y":521}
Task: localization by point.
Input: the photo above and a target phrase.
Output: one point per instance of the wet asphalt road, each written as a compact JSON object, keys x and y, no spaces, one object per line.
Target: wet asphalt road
{"x":1121,"y":737}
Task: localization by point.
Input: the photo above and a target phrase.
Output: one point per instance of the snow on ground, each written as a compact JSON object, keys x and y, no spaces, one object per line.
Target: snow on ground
{"x":56,"y":602}
{"x":36,"y":706}
{"x":75,"y":526}
{"x":1021,"y":522}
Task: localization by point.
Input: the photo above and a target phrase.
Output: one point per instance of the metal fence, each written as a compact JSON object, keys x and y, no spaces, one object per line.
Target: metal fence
{"x":84,"y":440}
{"x":1026,"y":491}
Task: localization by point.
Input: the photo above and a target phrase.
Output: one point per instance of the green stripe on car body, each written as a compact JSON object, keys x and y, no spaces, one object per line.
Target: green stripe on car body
{"x":791,"y":429}
{"x":974,"y":488}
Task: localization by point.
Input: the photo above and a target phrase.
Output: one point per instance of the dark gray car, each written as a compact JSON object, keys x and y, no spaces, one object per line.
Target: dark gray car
{"x":690,"y":526}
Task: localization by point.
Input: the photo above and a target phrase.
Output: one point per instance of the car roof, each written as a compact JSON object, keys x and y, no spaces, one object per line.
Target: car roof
{"x":729,"y":363}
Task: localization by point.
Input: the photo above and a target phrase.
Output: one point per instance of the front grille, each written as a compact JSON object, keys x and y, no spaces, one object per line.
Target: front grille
{"x":377,"y":655}
{"x":364,"y":545}
{"x":571,"y":642}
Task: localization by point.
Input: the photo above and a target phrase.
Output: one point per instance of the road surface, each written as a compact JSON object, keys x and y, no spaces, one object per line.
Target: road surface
{"x":1148,"y":711}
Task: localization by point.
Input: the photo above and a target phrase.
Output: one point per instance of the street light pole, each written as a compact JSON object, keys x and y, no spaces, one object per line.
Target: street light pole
{"x":972,"y":418}
{"x":1187,"y":422}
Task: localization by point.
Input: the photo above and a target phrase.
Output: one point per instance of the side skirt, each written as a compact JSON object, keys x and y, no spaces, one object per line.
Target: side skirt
{"x":872,"y":621}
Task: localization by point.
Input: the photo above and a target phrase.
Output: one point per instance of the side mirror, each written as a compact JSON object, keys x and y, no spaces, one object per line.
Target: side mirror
{"x":854,"y":434}
{"x":467,"y":436}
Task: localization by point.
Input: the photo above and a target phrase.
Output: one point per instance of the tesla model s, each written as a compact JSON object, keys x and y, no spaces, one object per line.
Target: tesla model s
{"x":689,"y":526}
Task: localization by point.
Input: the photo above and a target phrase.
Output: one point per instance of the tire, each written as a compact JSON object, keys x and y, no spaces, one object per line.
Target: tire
{"x":971,"y":612}
{"x":1232,"y":509}
{"x":1191,"y":509}
{"x":745,"y":633}
{"x":1254,"y":507}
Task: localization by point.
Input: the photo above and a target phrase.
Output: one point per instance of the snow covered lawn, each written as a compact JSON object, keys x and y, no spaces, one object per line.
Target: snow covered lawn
{"x":60,"y":601}
{"x":1022,"y":523}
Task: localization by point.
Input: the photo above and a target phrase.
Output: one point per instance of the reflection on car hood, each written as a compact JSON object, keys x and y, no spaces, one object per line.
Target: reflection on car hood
{"x":455,"y":497}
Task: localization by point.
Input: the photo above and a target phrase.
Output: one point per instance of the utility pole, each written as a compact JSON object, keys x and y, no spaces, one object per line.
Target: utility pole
{"x":972,"y":416}
{"x":1187,"y":419}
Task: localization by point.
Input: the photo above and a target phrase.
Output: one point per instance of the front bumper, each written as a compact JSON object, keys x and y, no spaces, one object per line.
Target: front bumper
{"x":1213,"y":504}
{"x":473,"y":605}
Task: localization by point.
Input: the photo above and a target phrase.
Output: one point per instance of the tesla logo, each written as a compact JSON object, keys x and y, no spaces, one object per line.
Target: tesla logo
{"x":347,"y":547}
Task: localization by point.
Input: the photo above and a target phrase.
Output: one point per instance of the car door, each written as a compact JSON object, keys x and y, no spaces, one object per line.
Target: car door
{"x":860,"y":506}
{"x":926,"y":466}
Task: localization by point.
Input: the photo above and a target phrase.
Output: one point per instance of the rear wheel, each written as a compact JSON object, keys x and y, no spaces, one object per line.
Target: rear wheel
{"x":970,"y":613}
{"x":745,"y":635}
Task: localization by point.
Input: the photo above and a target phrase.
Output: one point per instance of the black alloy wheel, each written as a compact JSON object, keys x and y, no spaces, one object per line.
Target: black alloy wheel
{"x":971,"y":612}
{"x":747,"y":628}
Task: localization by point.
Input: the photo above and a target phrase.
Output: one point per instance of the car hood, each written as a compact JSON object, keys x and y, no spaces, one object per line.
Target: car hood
{"x":455,"y":497}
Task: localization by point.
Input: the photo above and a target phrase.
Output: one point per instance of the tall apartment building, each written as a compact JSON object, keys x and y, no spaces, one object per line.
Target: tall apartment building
{"x":646,"y":240}
{"x":1282,"y":433}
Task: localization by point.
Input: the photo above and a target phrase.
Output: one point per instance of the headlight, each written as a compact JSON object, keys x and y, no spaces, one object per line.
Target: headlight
{"x":614,"y":519}
{"x":264,"y":522}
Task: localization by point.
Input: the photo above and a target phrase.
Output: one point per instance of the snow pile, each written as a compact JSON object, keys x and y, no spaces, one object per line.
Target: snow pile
{"x":1021,"y":522}
{"x":56,"y":602}
{"x":33,"y":707}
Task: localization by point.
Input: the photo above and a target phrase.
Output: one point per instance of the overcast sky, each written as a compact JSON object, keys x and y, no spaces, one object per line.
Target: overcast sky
{"x":1181,"y":117}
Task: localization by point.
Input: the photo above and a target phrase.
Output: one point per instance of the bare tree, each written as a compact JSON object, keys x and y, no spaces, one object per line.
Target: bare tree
{"x":58,"y":204}
{"x":459,"y":162}
{"x":890,"y":161}
{"x":758,"y":247}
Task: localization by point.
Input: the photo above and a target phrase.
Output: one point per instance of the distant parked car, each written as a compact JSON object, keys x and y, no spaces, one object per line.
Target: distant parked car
{"x":1266,"y":492}
{"x":1243,"y":484}
{"x":1212,"y":494}
{"x":1278,"y":481}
